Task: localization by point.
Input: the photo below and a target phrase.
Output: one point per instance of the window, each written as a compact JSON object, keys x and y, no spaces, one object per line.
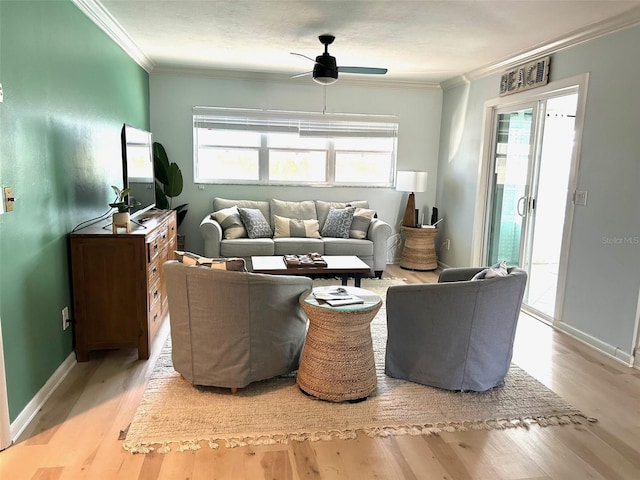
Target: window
{"x":293,"y":148}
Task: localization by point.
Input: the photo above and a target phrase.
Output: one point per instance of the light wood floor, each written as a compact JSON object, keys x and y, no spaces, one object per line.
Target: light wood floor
{"x":75,"y":436}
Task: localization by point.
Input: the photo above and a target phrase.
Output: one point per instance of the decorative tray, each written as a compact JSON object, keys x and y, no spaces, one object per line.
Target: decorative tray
{"x":309,"y":260}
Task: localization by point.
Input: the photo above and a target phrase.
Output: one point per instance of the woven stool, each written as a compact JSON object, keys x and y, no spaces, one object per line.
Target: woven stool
{"x":337,"y":361}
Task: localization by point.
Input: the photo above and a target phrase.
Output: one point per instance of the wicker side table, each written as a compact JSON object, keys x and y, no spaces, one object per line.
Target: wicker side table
{"x":337,"y":361}
{"x":419,"y":252}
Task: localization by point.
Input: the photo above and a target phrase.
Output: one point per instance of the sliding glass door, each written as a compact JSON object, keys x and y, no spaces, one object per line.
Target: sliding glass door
{"x":511,"y":184}
{"x":532,"y":151}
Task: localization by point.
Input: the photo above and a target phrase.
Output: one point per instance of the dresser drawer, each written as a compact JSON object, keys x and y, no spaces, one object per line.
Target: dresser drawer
{"x":154,"y":246}
{"x":154,"y":296}
{"x":154,"y":319}
{"x":153,"y":271}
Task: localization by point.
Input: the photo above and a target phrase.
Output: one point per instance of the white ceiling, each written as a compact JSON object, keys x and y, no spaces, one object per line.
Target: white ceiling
{"x":417,"y":40}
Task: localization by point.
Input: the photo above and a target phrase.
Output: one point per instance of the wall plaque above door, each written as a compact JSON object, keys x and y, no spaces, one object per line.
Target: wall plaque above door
{"x":524,"y":77}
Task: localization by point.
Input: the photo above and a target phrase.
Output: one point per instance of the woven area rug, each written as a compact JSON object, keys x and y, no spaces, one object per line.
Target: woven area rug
{"x":174,"y":415}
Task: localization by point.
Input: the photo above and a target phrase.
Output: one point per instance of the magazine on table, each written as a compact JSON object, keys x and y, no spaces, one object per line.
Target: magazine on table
{"x":337,"y":297}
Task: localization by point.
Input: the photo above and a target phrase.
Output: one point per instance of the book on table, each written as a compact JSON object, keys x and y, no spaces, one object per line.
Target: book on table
{"x":353,"y":300}
{"x":309,"y":260}
{"x":337,"y":297}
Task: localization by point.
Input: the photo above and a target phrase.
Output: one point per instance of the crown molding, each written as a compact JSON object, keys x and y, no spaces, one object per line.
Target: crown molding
{"x":627,"y":19}
{"x":109,"y":25}
{"x":286,"y":78}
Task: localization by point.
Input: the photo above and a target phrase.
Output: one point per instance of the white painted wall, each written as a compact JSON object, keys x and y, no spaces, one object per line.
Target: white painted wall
{"x":174,"y":94}
{"x":604,"y":260}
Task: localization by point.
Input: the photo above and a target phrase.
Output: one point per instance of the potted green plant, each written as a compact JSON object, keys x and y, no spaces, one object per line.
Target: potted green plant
{"x":121,"y":217}
{"x":169,"y":184}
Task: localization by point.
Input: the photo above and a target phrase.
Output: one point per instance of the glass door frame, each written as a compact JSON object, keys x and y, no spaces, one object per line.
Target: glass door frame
{"x":576,"y":84}
{"x":529,"y":186}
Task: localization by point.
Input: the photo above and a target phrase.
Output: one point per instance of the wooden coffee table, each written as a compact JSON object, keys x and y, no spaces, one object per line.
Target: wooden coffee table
{"x":343,"y":265}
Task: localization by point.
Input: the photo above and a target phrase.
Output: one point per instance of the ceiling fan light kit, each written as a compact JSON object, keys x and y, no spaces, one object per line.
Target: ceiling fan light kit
{"x":325,"y":70}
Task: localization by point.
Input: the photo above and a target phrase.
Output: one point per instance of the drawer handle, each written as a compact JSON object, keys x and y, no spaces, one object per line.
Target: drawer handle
{"x":155,"y":294}
{"x":155,"y":270}
{"x":155,"y":317}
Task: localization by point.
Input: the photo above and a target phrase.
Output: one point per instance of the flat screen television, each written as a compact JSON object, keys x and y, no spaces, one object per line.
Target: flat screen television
{"x":137,"y":169}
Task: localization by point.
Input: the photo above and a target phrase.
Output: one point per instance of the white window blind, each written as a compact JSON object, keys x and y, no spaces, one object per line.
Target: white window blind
{"x":283,"y":147}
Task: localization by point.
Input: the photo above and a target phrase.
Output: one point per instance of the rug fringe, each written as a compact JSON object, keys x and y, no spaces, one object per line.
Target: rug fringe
{"x":426,"y":429}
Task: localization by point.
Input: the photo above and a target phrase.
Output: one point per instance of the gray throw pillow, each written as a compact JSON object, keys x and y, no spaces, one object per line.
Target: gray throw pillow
{"x":497,"y":270}
{"x":338,"y":222}
{"x":255,"y":223}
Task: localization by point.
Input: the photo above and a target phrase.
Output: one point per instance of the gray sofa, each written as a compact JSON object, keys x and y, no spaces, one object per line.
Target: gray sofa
{"x":229,"y":329}
{"x":372,"y":249}
{"x":456,"y":334}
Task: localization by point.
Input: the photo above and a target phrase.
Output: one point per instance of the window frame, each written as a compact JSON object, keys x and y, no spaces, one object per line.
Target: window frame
{"x":325,"y":126}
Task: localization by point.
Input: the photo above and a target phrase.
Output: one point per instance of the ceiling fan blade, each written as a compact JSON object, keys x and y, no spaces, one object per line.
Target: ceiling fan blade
{"x":301,"y":74}
{"x":366,"y":70}
{"x":301,"y":55}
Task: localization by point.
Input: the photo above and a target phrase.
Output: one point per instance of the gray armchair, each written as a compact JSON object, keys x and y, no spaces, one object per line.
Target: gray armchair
{"x":456,"y":334}
{"x":229,"y":329}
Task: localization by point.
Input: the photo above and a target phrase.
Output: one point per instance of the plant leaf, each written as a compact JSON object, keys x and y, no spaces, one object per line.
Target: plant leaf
{"x":162,"y":202}
{"x":160,"y":163}
{"x":173,"y":187}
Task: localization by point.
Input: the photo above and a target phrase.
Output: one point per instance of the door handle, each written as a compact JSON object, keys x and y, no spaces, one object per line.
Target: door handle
{"x":521,"y":203}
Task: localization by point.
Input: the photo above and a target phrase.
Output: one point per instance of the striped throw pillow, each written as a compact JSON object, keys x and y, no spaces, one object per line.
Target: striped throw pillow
{"x":289,"y":227}
{"x":231,"y":223}
{"x":360,"y":224}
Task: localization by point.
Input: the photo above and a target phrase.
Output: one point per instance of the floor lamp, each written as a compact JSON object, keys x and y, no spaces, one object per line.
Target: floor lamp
{"x":411,"y":181}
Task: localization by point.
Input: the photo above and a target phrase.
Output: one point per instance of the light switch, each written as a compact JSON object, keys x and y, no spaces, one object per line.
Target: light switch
{"x":580,"y":197}
{"x":8,"y":199}
{"x":1,"y":94}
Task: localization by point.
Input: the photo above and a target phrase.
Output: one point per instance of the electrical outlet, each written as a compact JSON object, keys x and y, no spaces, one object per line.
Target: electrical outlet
{"x":65,"y":318}
{"x":447,"y":244}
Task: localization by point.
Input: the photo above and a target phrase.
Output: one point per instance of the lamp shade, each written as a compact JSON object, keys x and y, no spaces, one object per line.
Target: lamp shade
{"x":411,"y":181}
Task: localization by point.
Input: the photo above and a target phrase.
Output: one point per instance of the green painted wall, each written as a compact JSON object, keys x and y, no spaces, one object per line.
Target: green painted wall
{"x":68,"y":89}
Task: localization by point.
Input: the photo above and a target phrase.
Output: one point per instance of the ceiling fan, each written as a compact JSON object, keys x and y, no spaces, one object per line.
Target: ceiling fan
{"x":325,"y":70}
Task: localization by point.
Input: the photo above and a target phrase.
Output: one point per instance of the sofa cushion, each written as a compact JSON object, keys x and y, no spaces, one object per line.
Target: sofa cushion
{"x":231,"y":264}
{"x":255,"y":223}
{"x":230,"y":221}
{"x":297,"y":246}
{"x":338,"y":222}
{"x":263,"y":206}
{"x":348,"y":246}
{"x":305,"y":210}
{"x":323,"y":207}
{"x":246,"y":247}
{"x":290,"y":227}
{"x":360,"y":224}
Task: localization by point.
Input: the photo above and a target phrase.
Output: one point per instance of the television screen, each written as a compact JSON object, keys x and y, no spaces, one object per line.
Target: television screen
{"x":137,"y":169}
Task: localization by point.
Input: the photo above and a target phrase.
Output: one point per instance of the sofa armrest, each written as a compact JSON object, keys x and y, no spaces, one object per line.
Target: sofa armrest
{"x":211,"y":232}
{"x":379,"y":232}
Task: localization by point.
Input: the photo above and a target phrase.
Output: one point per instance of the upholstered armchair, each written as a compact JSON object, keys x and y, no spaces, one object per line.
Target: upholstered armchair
{"x":456,"y":334}
{"x":229,"y":328}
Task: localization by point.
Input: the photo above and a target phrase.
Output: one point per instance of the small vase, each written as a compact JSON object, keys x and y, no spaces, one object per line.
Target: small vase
{"x":121,"y":220}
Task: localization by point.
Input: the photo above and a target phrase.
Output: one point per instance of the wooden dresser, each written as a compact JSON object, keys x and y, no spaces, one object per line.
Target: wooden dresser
{"x":119,"y":293}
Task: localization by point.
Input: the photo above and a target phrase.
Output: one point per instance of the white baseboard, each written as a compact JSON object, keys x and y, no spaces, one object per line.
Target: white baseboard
{"x":609,"y":350}
{"x":33,"y":407}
